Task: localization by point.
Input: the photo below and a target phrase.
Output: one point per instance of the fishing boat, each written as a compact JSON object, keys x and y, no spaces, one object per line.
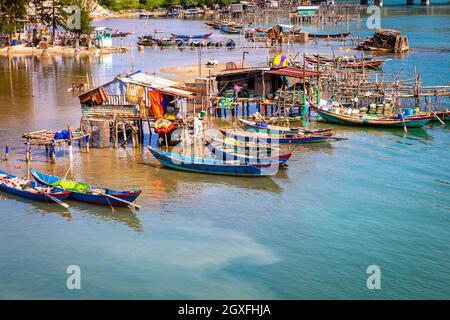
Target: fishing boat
{"x":244,"y":155}
{"x":373,"y":121}
{"x":84,"y":192}
{"x":356,"y":63}
{"x":213,"y":166}
{"x":275,"y":138}
{"x":147,"y":41}
{"x":330,"y":35}
{"x":120,"y":34}
{"x":263,"y":127}
{"x":29,"y":189}
{"x":362,"y":64}
{"x":229,"y":30}
{"x":230,"y":44}
{"x":146,"y":16}
{"x":194,"y":36}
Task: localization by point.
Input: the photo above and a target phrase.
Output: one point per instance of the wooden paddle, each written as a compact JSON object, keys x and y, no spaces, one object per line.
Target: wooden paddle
{"x":61,"y":203}
{"x":118,"y":199}
{"x":403,"y":119}
{"x":434,"y":113}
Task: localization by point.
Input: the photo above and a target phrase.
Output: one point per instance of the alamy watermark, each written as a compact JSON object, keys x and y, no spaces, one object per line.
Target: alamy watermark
{"x":374,"y":19}
{"x":374,"y":279}
{"x":74,"y":279}
{"x":74,"y":17}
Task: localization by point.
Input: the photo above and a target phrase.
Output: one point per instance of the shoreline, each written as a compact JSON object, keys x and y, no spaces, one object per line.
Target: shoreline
{"x":21,"y":50}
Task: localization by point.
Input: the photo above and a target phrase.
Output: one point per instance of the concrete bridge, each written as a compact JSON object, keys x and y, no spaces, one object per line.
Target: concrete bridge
{"x":408,"y":2}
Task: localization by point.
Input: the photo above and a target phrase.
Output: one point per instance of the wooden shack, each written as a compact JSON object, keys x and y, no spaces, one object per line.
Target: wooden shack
{"x":255,"y":85}
{"x":131,"y":99}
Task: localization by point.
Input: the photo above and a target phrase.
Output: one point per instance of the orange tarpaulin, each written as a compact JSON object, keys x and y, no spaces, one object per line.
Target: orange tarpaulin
{"x":156,"y":99}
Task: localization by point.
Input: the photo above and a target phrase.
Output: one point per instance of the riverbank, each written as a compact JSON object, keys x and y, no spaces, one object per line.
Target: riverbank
{"x":58,"y":50}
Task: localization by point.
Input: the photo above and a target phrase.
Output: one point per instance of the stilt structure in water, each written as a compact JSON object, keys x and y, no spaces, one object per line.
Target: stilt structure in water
{"x":120,"y":107}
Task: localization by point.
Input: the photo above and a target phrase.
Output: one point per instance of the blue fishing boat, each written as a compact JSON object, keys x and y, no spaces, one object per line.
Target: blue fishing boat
{"x":29,"y":189}
{"x":146,"y":16}
{"x":213,"y":166}
{"x":194,"y":36}
{"x":88,"y":193}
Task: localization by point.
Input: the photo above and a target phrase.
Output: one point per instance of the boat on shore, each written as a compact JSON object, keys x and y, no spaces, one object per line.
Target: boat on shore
{"x":29,"y":189}
{"x":263,"y":127}
{"x":248,"y":155}
{"x":374,"y":121}
{"x":84,"y":192}
{"x":275,"y":138}
{"x":213,"y":166}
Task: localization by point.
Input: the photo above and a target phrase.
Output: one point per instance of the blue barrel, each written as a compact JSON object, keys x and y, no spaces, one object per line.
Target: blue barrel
{"x":409,"y":111}
{"x":15,"y":42}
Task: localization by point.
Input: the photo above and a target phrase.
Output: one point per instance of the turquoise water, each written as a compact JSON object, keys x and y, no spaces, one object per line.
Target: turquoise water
{"x":379,"y":198}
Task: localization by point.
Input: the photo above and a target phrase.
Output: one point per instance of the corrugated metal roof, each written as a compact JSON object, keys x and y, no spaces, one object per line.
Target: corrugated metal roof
{"x":293,"y":72}
{"x":146,"y":79}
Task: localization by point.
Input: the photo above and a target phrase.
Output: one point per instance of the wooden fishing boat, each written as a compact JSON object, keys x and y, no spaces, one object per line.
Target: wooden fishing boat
{"x":363,"y":64}
{"x":330,"y":35}
{"x":272,"y":129}
{"x":229,"y":29}
{"x":230,"y":43}
{"x":29,"y":189}
{"x":195,"y":36}
{"x":120,"y":34}
{"x":247,"y":155}
{"x":213,"y":166}
{"x":275,"y":138}
{"x":384,"y":122}
{"x":92,"y":194}
{"x":146,"y":16}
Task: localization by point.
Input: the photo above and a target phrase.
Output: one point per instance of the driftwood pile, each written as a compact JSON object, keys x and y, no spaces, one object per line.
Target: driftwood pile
{"x":386,"y":40}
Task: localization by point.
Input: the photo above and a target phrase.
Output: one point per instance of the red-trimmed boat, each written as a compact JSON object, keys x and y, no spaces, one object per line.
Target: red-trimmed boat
{"x":29,"y":189}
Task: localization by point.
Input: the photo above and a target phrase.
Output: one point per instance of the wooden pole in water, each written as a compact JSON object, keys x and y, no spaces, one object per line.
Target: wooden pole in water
{"x":6,"y":151}
{"x":69,"y":128}
{"x":28,"y":151}
{"x":32,"y":71}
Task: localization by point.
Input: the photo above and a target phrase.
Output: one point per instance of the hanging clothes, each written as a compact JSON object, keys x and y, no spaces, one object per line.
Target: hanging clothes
{"x":156,"y":99}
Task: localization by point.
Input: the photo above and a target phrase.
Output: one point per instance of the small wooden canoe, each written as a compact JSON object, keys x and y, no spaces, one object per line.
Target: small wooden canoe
{"x":272,"y":129}
{"x":275,"y":138}
{"x":93,"y":194}
{"x":330,"y":35}
{"x":29,"y":189}
{"x":247,"y":155}
{"x":384,"y":122}
{"x":212,"y":166}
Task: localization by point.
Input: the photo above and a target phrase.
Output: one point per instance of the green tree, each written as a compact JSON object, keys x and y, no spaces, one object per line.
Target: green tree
{"x":13,"y":14}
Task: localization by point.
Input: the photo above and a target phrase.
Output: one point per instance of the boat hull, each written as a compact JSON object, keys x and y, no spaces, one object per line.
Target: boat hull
{"x":247,"y":159}
{"x":277,"y":139}
{"x":129,"y":196}
{"x":58,"y":193}
{"x":212,"y":167}
{"x":416,"y":122}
